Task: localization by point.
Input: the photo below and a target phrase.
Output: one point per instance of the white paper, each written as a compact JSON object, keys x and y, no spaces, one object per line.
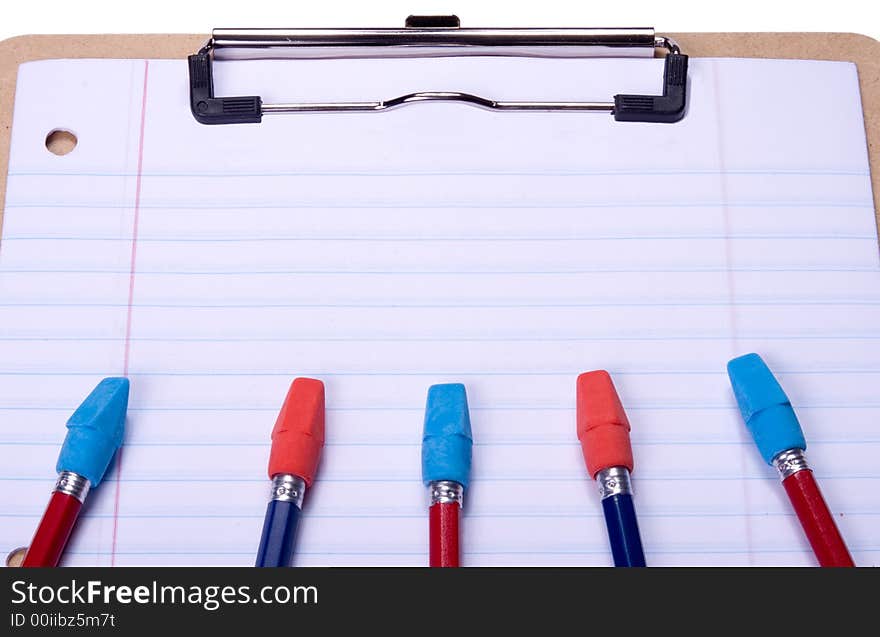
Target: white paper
{"x":383,"y":253}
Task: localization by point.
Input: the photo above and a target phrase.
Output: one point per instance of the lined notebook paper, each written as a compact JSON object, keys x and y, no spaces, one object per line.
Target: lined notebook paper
{"x":383,"y":253}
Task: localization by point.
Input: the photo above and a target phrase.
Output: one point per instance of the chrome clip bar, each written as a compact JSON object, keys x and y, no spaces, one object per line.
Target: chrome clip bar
{"x":425,"y":36}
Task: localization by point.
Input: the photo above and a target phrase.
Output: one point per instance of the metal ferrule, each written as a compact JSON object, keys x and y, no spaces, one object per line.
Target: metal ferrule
{"x":287,"y":487}
{"x":613,"y":481}
{"x":789,"y":462}
{"x":73,"y":484}
{"x":446,"y":492}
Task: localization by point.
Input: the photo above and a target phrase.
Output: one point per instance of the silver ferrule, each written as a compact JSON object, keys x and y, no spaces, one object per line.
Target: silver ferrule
{"x":789,"y":462}
{"x":614,"y":481}
{"x":287,"y":487}
{"x":446,"y":492}
{"x":70,"y":483}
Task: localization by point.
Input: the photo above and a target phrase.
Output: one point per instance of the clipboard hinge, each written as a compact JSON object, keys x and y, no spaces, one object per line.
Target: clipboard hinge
{"x":443,"y":36}
{"x":208,"y":109}
{"x":668,"y":107}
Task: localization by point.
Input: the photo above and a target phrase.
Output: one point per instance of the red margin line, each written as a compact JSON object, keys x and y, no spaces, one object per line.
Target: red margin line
{"x":729,"y":256}
{"x":132,"y":271}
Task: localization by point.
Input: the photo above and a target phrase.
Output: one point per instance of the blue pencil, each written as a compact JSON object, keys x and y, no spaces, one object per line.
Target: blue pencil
{"x":603,"y":430}
{"x":623,"y":530}
{"x":297,"y":440}
{"x":279,"y":528}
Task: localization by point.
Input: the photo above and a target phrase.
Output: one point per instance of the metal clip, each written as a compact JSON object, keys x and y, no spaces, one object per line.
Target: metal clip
{"x":440,"y":36}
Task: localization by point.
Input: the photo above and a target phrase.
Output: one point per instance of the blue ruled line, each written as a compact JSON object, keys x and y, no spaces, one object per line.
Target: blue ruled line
{"x":578,"y":479}
{"x":399,"y":304}
{"x":421,"y":515}
{"x":418,"y":373}
{"x":601,"y":172}
{"x":642,"y":270}
{"x":530,"y":551}
{"x":421,"y":408}
{"x":490,"y":443}
{"x":203,"y":206}
{"x":280,"y":338}
{"x":441,"y":239}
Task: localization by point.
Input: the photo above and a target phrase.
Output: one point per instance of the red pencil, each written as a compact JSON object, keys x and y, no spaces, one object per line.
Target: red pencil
{"x":94,"y":433}
{"x":812,"y":511}
{"x":446,"y":500}
{"x":770,"y":418}
{"x":58,"y":521}
{"x":446,"y":466}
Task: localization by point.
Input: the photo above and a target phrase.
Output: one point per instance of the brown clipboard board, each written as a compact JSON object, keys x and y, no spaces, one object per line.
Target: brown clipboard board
{"x":846,"y":47}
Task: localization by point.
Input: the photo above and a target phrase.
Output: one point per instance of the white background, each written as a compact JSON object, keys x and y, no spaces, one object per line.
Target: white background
{"x":19,"y":17}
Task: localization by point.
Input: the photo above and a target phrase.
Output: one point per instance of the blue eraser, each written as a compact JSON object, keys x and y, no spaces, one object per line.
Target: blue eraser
{"x":765,"y":407}
{"x":447,"y":440}
{"x":94,"y":431}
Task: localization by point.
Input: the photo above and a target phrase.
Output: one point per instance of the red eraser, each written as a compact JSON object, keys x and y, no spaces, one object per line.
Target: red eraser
{"x":602,"y":426}
{"x":298,"y":435}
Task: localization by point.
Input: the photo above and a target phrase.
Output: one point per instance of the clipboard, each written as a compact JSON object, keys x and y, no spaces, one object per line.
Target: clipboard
{"x":843,"y":47}
{"x":859,"y":49}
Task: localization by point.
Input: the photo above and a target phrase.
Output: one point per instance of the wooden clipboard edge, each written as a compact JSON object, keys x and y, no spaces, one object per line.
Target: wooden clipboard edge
{"x":847,"y":47}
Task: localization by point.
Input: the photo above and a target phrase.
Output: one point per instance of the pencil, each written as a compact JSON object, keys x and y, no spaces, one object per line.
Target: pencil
{"x":770,"y":418}
{"x":446,"y":464}
{"x":297,"y":440}
{"x":603,"y":430}
{"x":94,"y":433}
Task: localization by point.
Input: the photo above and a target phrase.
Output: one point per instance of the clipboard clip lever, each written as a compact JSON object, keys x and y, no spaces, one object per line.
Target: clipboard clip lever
{"x":426,"y":36}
